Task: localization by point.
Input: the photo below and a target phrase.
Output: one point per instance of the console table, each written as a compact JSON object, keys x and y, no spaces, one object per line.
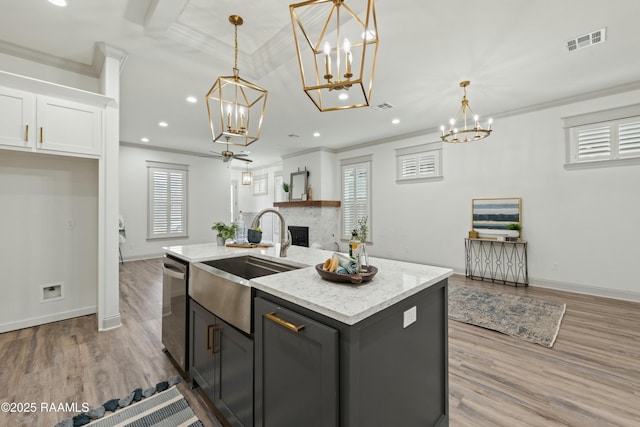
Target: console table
{"x":496,"y":260}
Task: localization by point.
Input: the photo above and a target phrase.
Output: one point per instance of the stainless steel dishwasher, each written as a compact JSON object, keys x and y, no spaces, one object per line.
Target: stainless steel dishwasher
{"x":175,"y":310}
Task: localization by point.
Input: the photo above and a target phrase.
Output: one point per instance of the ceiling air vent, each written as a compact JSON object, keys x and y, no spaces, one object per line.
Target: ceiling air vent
{"x":384,"y":106}
{"x":595,"y":37}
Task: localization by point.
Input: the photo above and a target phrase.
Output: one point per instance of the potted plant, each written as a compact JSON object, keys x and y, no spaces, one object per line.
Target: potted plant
{"x":285,"y":188}
{"x":513,"y":230}
{"x":224,"y":231}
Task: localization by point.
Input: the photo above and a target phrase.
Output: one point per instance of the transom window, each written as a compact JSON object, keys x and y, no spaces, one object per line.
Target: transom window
{"x":604,"y":138}
{"x":419,"y":163}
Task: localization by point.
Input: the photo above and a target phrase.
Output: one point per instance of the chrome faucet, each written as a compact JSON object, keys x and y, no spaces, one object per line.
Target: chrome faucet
{"x":284,"y":242}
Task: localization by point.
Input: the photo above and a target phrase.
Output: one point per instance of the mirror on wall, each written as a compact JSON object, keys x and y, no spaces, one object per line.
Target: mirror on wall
{"x":298,"y":185}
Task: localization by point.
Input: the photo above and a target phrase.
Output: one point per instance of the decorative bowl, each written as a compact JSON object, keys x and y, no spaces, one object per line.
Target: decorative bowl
{"x":346,"y":278}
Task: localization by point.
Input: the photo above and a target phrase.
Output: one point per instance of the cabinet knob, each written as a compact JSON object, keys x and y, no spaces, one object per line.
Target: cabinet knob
{"x":26,"y":132}
{"x":274,"y":318}
{"x":41,"y":135}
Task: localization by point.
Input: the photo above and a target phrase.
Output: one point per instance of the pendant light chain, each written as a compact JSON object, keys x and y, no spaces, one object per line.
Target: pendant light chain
{"x":235,"y":61}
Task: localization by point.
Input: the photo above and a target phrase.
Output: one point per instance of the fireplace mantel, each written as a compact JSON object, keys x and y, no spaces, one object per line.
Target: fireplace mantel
{"x":308,"y":204}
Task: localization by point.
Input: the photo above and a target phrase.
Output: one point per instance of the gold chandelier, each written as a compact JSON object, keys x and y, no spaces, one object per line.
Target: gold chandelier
{"x":467,"y":133}
{"x":236,"y":105}
{"x":337,"y":45}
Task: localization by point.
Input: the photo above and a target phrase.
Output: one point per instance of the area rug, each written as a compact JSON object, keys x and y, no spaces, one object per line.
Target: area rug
{"x":527,"y":318}
{"x":159,"y":406}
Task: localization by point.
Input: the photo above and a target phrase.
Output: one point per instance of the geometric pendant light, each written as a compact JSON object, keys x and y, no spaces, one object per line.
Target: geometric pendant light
{"x":337,"y":45}
{"x":235,"y":106}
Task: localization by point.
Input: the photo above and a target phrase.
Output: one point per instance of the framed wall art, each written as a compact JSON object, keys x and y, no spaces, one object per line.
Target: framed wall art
{"x":495,"y":214}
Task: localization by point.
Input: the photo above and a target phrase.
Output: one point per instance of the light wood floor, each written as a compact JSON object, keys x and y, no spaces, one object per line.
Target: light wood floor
{"x":591,"y":377}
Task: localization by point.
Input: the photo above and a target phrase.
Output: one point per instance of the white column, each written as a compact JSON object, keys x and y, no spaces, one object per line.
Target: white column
{"x":108,"y":271}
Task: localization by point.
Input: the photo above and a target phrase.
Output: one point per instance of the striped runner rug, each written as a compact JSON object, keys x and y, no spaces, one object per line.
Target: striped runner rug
{"x":166,"y":409}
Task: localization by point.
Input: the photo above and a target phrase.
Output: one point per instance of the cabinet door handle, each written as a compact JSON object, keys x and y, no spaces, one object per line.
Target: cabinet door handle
{"x":274,"y":318}
{"x":213,"y":343}
{"x":209,"y":346}
{"x":26,"y":132}
{"x":40,"y":135}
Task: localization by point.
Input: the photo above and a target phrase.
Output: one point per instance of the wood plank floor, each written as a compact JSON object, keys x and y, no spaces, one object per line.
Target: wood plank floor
{"x":591,"y":377}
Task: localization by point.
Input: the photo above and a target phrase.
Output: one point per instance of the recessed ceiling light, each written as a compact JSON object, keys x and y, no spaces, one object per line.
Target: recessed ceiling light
{"x":343,"y":96}
{"x":61,"y":3}
{"x":163,"y":124}
{"x":192,"y":99}
{"x":144,"y":139}
{"x":395,"y":121}
{"x":316,"y":134}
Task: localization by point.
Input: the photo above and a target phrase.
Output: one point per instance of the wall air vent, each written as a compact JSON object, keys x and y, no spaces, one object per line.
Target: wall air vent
{"x":384,"y":106}
{"x":594,"y":37}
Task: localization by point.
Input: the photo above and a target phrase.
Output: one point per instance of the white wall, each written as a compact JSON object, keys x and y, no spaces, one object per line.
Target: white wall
{"x":208,"y":199}
{"x":49,"y":217}
{"x":24,"y":67}
{"x":583,"y":221}
{"x":323,"y":178}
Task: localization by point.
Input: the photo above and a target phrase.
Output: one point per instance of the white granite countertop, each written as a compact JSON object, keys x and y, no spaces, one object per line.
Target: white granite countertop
{"x":395,"y":280}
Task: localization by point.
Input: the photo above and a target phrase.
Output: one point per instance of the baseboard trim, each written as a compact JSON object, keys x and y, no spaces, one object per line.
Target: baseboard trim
{"x":579,"y":288}
{"x":111,"y":322}
{"x":586,"y":289}
{"x":49,"y":318}
{"x":143,"y":257}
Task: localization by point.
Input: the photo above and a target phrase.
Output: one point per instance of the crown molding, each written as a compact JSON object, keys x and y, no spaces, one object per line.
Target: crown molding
{"x":47,"y":59}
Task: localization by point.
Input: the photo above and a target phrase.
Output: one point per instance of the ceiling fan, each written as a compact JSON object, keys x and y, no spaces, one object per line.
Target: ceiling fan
{"x":227,"y":155}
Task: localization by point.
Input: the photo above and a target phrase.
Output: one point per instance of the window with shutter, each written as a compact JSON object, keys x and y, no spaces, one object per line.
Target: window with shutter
{"x":260,"y":185}
{"x":278,"y":192}
{"x":604,"y":138}
{"x":167,"y":216}
{"x":356,"y":200}
{"x":419,"y":163}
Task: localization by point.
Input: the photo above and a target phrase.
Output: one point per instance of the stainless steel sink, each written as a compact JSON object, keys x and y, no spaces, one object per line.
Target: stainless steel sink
{"x":222,"y":286}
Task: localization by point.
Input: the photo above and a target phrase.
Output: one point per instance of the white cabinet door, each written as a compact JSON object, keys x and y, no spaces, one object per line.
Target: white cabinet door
{"x":17,"y":118}
{"x":68,"y":126}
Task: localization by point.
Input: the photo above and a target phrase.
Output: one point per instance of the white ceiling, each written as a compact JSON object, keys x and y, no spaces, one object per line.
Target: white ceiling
{"x":512,"y":51}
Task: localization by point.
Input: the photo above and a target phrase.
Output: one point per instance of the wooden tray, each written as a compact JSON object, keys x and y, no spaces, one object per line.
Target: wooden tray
{"x":245,"y":245}
{"x":346,"y":278}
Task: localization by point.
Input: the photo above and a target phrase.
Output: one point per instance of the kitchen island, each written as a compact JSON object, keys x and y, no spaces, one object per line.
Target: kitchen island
{"x":330,"y":354}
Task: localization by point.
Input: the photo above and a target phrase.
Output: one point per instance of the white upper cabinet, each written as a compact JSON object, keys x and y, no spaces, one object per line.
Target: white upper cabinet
{"x":33,"y":122}
{"x":17,"y":114}
{"x":68,"y":126}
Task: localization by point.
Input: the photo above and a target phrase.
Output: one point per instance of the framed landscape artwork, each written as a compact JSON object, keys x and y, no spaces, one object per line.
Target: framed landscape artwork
{"x":495,"y":214}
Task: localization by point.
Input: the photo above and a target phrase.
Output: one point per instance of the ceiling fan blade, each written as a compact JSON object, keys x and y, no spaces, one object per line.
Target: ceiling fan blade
{"x":244,"y":160}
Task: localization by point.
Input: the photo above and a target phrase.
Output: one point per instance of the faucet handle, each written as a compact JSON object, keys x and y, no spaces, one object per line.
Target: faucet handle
{"x":285,"y":245}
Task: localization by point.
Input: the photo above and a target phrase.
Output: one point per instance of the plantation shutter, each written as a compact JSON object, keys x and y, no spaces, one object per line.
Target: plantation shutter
{"x":426,"y":165}
{"x":594,"y":143}
{"x":355,"y":196}
{"x":408,"y":167}
{"x":167,"y":202}
{"x":260,"y":184}
{"x":277,"y":189}
{"x":419,"y":162}
{"x":629,"y":139}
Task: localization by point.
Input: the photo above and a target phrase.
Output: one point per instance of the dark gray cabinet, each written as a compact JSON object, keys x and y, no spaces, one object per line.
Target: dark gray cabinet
{"x":222,"y":365}
{"x":386,"y":370}
{"x":296,"y":369}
